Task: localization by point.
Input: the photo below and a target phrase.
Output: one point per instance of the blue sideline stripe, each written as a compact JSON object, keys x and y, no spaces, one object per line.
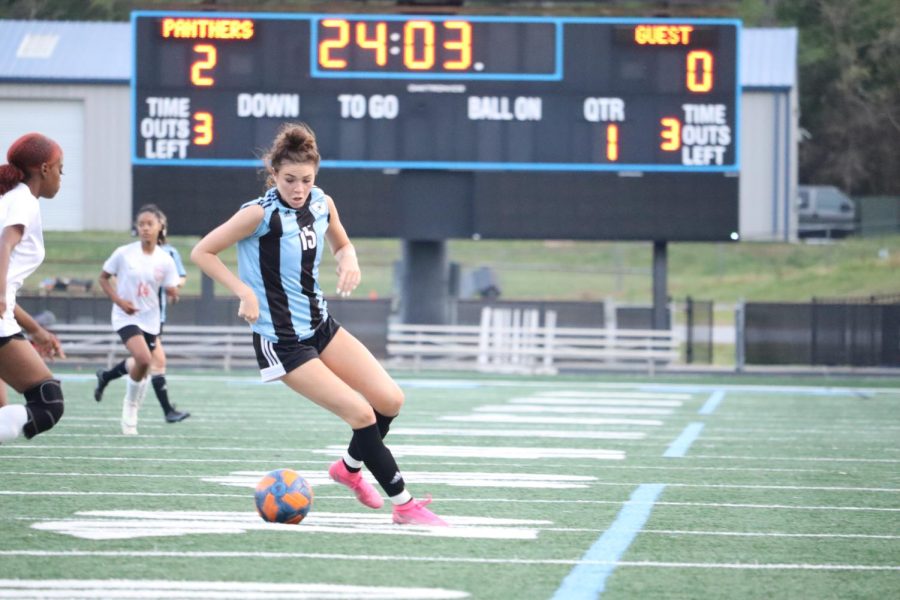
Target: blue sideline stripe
{"x":712,"y":403}
{"x":680,"y":446}
{"x":588,"y":579}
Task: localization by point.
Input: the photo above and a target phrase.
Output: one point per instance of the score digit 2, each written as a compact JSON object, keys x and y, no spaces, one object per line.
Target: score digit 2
{"x":199,"y":67}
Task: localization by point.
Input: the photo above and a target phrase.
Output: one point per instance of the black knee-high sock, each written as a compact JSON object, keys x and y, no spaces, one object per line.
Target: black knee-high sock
{"x":117,"y":371}
{"x":384,"y":425}
{"x":379,"y":459}
{"x":162,"y":394}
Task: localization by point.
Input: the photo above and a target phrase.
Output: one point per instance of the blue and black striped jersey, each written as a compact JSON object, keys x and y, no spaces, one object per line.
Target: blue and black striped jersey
{"x":280,"y":262}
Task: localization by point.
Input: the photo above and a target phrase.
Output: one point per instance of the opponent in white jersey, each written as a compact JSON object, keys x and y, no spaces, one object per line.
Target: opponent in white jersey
{"x":158,"y":354}
{"x":141,"y":269}
{"x":33,"y":170}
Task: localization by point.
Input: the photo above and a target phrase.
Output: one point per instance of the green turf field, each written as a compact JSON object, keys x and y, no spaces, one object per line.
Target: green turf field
{"x":556,"y":488}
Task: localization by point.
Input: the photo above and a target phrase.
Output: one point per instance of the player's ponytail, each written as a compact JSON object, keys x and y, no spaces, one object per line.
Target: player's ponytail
{"x":294,"y":143}
{"x":26,"y":153}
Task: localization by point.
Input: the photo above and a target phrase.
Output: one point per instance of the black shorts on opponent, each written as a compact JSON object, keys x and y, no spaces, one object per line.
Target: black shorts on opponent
{"x":279,"y":358}
{"x":129,"y":331}
{"x":16,"y":336}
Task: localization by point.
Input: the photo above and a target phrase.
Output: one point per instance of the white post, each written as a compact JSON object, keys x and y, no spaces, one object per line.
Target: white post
{"x":549,"y":339}
{"x":484,"y":337}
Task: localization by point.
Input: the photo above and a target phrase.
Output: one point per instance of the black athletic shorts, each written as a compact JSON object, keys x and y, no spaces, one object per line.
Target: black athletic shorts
{"x":279,"y":358}
{"x":129,"y":331}
{"x":15,"y":336}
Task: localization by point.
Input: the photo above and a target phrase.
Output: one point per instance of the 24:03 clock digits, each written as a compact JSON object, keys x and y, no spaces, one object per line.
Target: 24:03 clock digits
{"x":428,"y":45}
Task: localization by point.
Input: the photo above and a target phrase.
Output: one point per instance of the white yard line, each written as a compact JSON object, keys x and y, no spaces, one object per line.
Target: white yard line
{"x":525,"y":433}
{"x":150,"y":588}
{"x":489,"y":418}
{"x":796,"y":458}
{"x":245,"y":478}
{"x":131,"y":524}
{"x":777,"y":534}
{"x":441,"y":559}
{"x":511,"y":452}
{"x":584,"y":410}
{"x":661,"y":397}
{"x":443,"y":499}
{"x":582,"y":401}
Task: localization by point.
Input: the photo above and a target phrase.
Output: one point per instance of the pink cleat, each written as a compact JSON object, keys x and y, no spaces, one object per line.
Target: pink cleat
{"x":364,"y":491}
{"x":415,"y":513}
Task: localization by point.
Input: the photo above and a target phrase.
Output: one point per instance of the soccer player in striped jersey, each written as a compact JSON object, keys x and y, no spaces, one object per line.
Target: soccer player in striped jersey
{"x":34,"y":170}
{"x":157,"y":354}
{"x":280,"y":239}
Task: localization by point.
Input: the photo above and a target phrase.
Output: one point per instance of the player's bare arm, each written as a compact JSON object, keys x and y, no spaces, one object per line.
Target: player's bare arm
{"x":349,"y":275}
{"x":206,"y":256}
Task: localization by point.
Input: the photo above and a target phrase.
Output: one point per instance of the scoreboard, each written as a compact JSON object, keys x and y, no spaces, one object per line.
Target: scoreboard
{"x":449,"y":126}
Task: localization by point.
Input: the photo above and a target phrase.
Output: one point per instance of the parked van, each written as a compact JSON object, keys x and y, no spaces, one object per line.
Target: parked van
{"x":824,"y":211}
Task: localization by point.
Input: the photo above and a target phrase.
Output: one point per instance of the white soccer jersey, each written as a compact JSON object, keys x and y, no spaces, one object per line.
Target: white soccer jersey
{"x":139,"y":277}
{"x":19,"y":207}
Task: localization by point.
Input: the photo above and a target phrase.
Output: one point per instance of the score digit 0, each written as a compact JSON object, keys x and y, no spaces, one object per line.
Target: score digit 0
{"x":699,"y":71}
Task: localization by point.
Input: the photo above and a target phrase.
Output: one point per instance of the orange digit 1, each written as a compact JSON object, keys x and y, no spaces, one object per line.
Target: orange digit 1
{"x":612,"y":142}
{"x":671,"y":134}
{"x":336,"y":43}
{"x":203,"y":128}
{"x":199,"y":66}
{"x":699,"y":71}
{"x":410,"y":60}
{"x":463,"y":45}
{"x":378,"y":44}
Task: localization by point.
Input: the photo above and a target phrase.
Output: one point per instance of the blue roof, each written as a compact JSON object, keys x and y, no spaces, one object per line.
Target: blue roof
{"x":769,"y":58}
{"x":65,"y":51}
{"x":101,"y":52}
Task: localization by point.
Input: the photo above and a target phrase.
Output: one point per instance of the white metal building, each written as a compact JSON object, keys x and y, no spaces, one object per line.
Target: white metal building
{"x":71,"y":82}
{"x":769,"y":134}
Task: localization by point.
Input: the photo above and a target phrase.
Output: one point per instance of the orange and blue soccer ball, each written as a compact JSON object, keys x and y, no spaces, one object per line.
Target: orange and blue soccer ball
{"x":283,"y":496}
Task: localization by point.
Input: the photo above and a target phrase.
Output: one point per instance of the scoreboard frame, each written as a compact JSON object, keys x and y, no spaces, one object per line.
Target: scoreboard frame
{"x":608,"y":199}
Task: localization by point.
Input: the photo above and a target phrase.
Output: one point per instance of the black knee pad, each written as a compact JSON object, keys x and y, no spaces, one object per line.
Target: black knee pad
{"x":44,"y":403}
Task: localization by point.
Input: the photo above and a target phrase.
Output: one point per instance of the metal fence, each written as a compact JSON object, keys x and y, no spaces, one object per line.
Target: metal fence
{"x":698,"y":331}
{"x":859,"y":331}
{"x":862,"y":331}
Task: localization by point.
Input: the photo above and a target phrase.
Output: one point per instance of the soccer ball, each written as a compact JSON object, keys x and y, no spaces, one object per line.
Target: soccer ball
{"x":283,"y":496}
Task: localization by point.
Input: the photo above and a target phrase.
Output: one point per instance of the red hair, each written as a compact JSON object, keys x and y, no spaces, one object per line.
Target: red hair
{"x":26,"y":153}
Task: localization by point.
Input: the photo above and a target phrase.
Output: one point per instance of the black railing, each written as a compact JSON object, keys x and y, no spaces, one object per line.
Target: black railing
{"x":698,"y":331}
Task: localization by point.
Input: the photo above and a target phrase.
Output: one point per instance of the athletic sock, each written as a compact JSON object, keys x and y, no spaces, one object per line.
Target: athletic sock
{"x":12,"y":419}
{"x":162,"y":393}
{"x":117,"y":371}
{"x":355,"y":464}
{"x":379,"y":459}
{"x":133,"y":390}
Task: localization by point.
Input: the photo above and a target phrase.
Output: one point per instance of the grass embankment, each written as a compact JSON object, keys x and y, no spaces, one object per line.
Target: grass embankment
{"x":554,"y":270}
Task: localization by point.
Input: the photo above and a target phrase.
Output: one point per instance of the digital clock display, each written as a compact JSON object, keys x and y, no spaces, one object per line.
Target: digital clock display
{"x":443,"y":48}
